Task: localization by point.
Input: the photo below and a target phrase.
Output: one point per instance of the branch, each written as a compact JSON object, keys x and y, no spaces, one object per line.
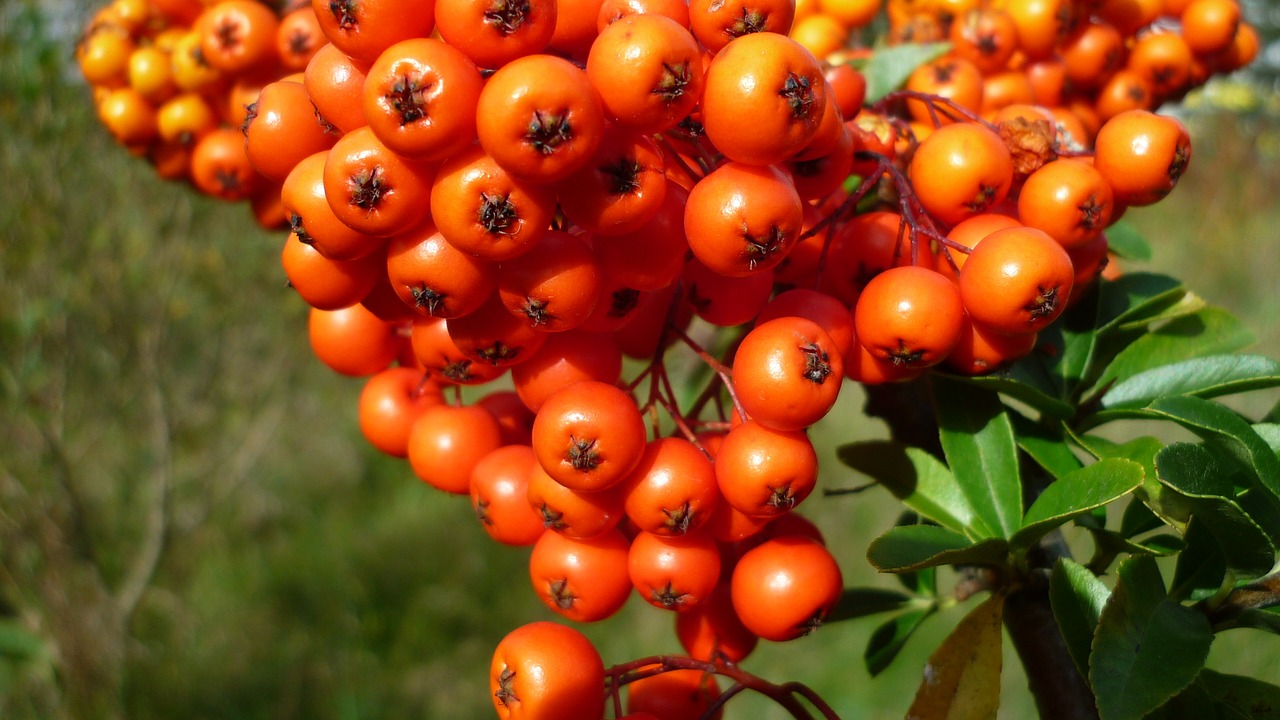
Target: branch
{"x":143,"y":567}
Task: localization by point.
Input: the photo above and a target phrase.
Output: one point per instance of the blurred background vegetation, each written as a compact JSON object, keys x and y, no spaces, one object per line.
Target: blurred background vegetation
{"x":191,"y":525}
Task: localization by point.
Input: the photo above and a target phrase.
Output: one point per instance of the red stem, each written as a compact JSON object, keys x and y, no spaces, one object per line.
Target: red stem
{"x":786,"y":695}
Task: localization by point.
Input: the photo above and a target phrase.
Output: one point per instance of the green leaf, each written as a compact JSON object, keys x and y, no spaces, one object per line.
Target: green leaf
{"x":977,"y":439}
{"x":913,"y":476}
{"x":1077,"y":597}
{"x":1244,"y":696}
{"x":1046,"y":446}
{"x":1201,"y":567}
{"x":1146,"y":648}
{"x":1109,"y":544}
{"x":1076,"y":494}
{"x":1027,"y":382}
{"x":1135,"y":297}
{"x":1194,"y":473}
{"x":1160,"y":361}
{"x":911,"y":547}
{"x":890,"y":66}
{"x":1221,"y":426}
{"x":1193,"y":702}
{"x":962,"y":678}
{"x":1170,"y":508}
{"x":889,"y":638}
{"x":860,"y":602}
{"x":1188,"y":304}
{"x":923,"y":582}
{"x":1125,"y":240}
{"x":1270,"y":434}
{"x":1203,"y":377}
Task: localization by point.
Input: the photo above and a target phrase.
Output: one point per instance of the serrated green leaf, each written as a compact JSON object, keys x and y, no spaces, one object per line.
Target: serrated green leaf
{"x":1076,"y":494}
{"x":863,"y":601}
{"x":977,"y":439}
{"x":962,"y":678}
{"x":889,"y":638}
{"x":1193,"y":472}
{"x":1193,"y":702}
{"x":1220,"y":426}
{"x":1046,"y":446}
{"x":913,"y":476}
{"x":1246,"y":696}
{"x":911,"y":547}
{"x":1146,"y":648}
{"x":1124,"y":240}
{"x":889,"y":67}
{"x":1077,"y":597}
{"x":1170,"y":508}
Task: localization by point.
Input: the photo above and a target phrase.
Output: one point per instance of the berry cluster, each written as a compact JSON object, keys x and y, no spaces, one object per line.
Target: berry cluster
{"x":174,"y":81}
{"x":535,"y":189}
{"x":1085,"y":62}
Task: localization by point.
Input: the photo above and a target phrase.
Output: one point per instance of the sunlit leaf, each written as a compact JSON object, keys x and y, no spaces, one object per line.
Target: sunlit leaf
{"x":977,"y":438}
{"x":1202,"y":377}
{"x":1076,"y":494}
{"x":911,"y":547}
{"x":1169,"y":507}
{"x":962,"y":678}
{"x":913,"y":476}
{"x":1136,"y":296}
{"x":889,"y":67}
{"x":1077,"y":597}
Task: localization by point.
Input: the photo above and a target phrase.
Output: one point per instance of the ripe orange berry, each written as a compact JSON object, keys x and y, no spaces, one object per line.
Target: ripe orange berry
{"x":1016,"y":281}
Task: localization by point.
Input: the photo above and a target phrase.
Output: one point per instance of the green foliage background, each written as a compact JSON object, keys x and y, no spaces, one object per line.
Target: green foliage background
{"x":154,"y":365}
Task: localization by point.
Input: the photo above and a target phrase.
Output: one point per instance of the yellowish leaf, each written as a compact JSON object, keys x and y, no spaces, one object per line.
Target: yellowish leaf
{"x":962,"y":678}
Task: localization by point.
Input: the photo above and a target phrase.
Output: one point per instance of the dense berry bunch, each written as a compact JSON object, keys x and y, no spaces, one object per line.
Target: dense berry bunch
{"x":177,"y":82}
{"x":533,"y":191}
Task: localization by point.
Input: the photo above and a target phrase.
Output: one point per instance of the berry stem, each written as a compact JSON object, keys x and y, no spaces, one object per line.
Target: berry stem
{"x":787,"y":695}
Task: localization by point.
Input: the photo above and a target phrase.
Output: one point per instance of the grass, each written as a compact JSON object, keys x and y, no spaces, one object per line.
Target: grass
{"x":147,"y":341}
